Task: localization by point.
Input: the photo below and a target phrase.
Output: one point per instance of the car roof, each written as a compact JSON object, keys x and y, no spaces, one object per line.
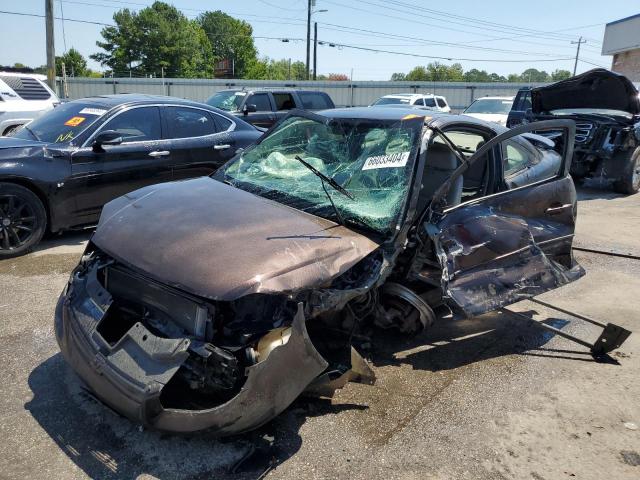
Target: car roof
{"x":408,"y":95}
{"x":270,"y":89}
{"x":432,"y":117}
{"x":495,"y":98}
{"x":111,"y":101}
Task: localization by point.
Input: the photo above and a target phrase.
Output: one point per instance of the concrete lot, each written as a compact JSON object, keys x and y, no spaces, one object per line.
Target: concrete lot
{"x":490,"y":398}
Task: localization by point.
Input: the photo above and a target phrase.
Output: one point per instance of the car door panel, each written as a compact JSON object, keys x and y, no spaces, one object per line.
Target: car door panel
{"x":511,"y":245}
{"x":99,"y":177}
{"x":197,"y":148}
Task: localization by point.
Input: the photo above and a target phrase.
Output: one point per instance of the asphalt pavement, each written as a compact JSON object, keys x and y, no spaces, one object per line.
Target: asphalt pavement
{"x":489,"y":398}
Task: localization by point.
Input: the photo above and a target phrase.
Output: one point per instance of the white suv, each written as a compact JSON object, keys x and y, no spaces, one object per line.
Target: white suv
{"x":23,"y":97}
{"x":428,"y":101}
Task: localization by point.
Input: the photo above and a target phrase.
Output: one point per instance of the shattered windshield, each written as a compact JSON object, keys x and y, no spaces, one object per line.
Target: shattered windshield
{"x":371,"y":159}
{"x":63,"y":123}
{"x":229,"y":101}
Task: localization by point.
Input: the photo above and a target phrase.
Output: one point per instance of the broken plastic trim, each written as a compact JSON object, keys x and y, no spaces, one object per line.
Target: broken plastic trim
{"x":271,"y":386}
{"x":129,"y":376}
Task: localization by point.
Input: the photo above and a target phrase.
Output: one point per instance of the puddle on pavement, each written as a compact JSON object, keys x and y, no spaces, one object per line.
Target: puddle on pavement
{"x":31,"y":265}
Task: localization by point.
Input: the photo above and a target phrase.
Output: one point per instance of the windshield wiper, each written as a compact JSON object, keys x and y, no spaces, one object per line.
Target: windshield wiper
{"x":331,"y":182}
{"x":31,"y":132}
{"x":324,"y":178}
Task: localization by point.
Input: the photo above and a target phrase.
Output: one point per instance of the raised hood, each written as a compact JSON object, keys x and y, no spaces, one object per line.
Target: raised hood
{"x":597,"y":88}
{"x":219,"y":242}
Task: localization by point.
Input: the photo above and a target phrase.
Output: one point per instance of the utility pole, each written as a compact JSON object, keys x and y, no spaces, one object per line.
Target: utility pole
{"x":51,"y":50}
{"x":315,"y":50}
{"x":575,"y":65}
{"x":309,"y":5}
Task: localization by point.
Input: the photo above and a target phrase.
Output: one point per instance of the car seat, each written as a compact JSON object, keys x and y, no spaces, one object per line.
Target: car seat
{"x":440,"y":163}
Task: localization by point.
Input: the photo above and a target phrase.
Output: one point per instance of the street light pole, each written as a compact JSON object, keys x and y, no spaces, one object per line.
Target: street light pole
{"x":575,"y":65}
{"x":308,"y":35}
{"x":51,"y":51}
{"x":315,"y":50}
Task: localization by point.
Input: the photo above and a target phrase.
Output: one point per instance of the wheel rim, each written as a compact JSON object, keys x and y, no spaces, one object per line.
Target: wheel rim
{"x":635,"y":176}
{"x":17,"y":222}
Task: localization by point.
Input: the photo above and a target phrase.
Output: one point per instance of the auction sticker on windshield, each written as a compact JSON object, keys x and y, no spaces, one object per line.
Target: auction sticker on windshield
{"x":393,"y":160}
{"x":74,"y":121}
{"x":92,"y":111}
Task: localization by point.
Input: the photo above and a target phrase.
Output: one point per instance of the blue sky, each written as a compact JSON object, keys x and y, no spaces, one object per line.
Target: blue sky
{"x":535,"y":33}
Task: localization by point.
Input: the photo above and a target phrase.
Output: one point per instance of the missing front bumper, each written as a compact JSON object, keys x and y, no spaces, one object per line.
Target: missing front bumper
{"x":130,"y":375}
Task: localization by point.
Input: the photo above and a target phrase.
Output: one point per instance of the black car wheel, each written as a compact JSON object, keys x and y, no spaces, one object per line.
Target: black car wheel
{"x":630,"y":181}
{"x":23,"y":220}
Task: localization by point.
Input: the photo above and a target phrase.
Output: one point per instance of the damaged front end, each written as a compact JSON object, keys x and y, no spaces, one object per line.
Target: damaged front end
{"x":178,"y":363}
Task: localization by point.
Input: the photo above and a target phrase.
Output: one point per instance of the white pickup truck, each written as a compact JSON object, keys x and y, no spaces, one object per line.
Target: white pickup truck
{"x":23,"y":97}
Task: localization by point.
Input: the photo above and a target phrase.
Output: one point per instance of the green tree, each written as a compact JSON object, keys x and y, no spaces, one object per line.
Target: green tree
{"x":557,"y":75}
{"x":455,"y":73}
{"x":298,"y":70}
{"x":475,"y":75}
{"x":398,"y":77}
{"x":534,"y":75}
{"x":74,"y":64}
{"x":230,"y":38}
{"x":418,"y":74}
{"x":155,"y":39}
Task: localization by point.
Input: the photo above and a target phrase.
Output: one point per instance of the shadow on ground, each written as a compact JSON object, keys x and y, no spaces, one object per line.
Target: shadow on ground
{"x":592,"y":189}
{"x":453,"y":344}
{"x":67,"y":240}
{"x":105,"y":445}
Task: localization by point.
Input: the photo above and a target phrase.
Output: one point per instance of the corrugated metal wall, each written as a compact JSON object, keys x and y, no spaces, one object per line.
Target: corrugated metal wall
{"x":459,"y":94}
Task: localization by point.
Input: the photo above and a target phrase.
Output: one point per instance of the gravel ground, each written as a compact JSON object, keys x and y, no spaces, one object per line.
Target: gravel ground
{"x":488,"y":398}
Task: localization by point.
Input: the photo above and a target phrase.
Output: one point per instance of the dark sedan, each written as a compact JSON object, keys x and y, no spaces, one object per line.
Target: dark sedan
{"x":58,"y":171}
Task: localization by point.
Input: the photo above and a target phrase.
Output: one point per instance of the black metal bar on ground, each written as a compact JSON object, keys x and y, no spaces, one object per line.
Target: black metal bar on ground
{"x":548,"y":327}
{"x":603,"y":252}
{"x":568,"y":312}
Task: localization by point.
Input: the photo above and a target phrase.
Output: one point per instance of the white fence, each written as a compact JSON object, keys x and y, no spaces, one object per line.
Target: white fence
{"x":360,"y":93}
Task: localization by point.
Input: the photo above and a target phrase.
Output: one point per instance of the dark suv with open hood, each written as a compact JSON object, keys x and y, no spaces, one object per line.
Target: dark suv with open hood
{"x":606,"y":109}
{"x":215,"y":302}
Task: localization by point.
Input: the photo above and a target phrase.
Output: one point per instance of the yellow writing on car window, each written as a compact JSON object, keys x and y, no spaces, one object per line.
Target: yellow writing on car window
{"x":74,"y":121}
{"x":64,"y":137}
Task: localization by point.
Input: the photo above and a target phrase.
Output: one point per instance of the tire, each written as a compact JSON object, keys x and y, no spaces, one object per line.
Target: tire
{"x":630,"y":181}
{"x":23,"y":220}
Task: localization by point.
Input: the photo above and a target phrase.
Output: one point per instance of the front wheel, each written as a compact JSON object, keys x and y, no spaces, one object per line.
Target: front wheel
{"x":629,"y":183}
{"x":23,"y":220}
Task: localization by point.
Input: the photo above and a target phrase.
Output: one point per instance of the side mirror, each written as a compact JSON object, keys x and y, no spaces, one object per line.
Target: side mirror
{"x":108,"y":137}
{"x":249,"y":108}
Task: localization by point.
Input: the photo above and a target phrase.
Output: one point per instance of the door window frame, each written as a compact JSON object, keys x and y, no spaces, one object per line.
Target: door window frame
{"x":165,"y":119}
{"x":88,"y":141}
{"x":567,"y":125}
{"x":270,"y":99}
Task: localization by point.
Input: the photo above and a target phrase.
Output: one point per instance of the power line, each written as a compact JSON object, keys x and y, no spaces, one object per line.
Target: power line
{"x":57,"y":18}
{"x":474,"y":22}
{"x":433,"y":57}
{"x":367,"y":32}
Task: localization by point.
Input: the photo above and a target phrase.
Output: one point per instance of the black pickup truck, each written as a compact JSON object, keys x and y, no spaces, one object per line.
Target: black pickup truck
{"x":606,"y":109}
{"x":264,"y":107}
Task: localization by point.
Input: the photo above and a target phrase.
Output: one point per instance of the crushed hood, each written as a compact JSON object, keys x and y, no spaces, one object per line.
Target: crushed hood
{"x":219,"y":242}
{"x":597,"y":88}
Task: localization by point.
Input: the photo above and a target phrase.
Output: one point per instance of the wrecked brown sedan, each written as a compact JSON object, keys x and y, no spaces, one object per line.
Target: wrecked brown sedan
{"x":213,"y":303}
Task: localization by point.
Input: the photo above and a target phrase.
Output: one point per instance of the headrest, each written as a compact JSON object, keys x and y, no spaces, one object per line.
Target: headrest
{"x":441,"y":157}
